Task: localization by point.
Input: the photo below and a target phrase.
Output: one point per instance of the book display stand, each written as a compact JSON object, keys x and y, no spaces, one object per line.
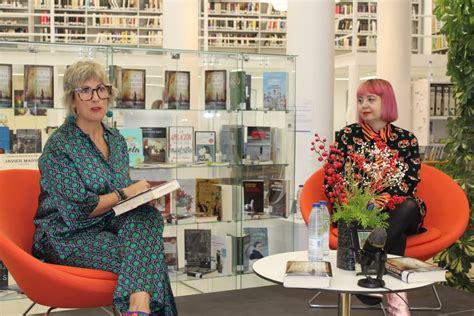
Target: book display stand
{"x":214,"y":226}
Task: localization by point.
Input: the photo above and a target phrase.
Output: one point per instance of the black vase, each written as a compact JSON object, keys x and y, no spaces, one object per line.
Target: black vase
{"x":346,"y":233}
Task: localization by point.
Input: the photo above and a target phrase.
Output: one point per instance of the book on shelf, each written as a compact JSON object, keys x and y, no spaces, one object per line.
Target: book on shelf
{"x":253,"y":196}
{"x":39,"y":88}
{"x":177,"y":91}
{"x":221,"y":252}
{"x":116,"y":75}
{"x":230,"y":197}
{"x":4,"y":140}
{"x":208,"y":199}
{"x":278,"y":197}
{"x":275,"y":85}
{"x":171,"y":253}
{"x":215,"y":87}
{"x":183,"y":201}
{"x":27,"y":141}
{"x":258,"y":247}
{"x":307,"y":274}
{"x":19,"y":103}
{"x":133,"y":89}
{"x":5,"y":86}
{"x":205,"y":146}
{"x":231,"y":140}
{"x":197,"y":248}
{"x":145,"y":196}
{"x":412,"y":270}
{"x":180,"y":142}
{"x":241,"y":244}
{"x":237,"y":90}
{"x":134,"y":139}
{"x":155,"y":144}
{"x":258,"y":143}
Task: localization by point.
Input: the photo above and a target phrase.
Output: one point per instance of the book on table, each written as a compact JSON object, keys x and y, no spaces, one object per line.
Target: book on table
{"x":146,"y":196}
{"x":412,"y":270}
{"x":307,"y":274}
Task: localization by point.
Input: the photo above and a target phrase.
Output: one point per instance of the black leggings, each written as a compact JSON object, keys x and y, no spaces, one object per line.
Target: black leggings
{"x":403,"y":221}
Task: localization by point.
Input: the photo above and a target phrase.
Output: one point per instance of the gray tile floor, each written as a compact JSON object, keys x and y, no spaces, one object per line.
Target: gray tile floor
{"x":278,"y":301}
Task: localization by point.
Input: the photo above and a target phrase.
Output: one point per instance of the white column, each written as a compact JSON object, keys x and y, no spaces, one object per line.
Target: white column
{"x":180,"y":24}
{"x":394,"y":52}
{"x":351,"y":114}
{"x":310,"y":36}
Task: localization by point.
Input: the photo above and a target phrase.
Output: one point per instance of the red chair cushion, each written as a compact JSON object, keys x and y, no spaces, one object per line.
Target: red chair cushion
{"x":86,"y":273}
{"x":431,"y":233}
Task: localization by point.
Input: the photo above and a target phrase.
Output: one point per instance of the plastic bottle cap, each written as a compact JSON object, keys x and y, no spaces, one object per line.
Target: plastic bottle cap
{"x":322,"y":202}
{"x":300,"y":186}
{"x":316,"y":204}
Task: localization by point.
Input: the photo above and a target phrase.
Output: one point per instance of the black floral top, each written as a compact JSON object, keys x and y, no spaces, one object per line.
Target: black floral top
{"x":399,"y":140}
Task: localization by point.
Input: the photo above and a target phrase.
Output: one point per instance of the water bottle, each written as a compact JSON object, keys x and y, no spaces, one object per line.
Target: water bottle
{"x":298,"y":202}
{"x":315,"y":234}
{"x":326,"y":224}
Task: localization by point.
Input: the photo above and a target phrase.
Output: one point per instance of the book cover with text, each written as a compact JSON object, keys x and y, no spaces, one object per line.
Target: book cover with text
{"x":155,"y":144}
{"x":39,"y":88}
{"x":133,"y":89}
{"x":197,"y":248}
{"x":254,"y":195}
{"x":181,"y":141}
{"x":134,"y":139}
{"x":177,"y":91}
{"x":215,"y":89}
{"x":205,"y":146}
{"x":208,"y":198}
{"x":275,"y":90}
{"x":258,"y":244}
{"x":259,"y":143}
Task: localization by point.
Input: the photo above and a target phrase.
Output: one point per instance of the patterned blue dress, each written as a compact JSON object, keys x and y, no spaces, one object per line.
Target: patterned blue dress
{"x":73,"y":175}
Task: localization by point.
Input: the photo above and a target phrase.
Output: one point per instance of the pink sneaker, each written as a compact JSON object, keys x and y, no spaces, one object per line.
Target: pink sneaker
{"x":398,"y":304}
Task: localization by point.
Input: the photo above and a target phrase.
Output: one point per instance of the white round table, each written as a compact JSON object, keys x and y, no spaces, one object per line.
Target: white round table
{"x":344,"y":282}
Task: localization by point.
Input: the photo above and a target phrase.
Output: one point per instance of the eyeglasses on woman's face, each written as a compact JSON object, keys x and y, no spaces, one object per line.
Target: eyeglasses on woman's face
{"x":86,"y":93}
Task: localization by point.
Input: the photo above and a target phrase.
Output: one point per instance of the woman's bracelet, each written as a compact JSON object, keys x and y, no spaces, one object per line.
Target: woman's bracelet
{"x":120,"y":194}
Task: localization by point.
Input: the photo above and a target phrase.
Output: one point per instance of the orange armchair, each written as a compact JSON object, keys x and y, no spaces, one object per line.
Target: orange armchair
{"x":446,"y":220}
{"x":47,"y":284}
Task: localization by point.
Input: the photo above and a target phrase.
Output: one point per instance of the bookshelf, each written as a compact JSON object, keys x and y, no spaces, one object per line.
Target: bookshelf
{"x":14,"y":21}
{"x":120,"y":22}
{"x":439,"y":45}
{"x":356,"y":25}
{"x":250,"y":26}
{"x":433,"y":105}
{"x":246,"y":127}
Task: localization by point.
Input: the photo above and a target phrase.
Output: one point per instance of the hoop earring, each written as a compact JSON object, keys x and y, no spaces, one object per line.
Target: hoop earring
{"x":109,"y":114}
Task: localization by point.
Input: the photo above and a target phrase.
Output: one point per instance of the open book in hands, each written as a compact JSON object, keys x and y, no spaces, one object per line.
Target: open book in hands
{"x":308,"y":274}
{"x":145,"y":196}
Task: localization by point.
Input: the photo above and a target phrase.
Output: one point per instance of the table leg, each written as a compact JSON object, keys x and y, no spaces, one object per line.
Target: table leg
{"x":344,"y":304}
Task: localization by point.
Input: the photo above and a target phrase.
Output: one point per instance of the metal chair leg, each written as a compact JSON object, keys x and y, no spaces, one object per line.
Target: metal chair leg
{"x":25,"y":313}
{"x":48,"y":312}
{"x":424,"y":308}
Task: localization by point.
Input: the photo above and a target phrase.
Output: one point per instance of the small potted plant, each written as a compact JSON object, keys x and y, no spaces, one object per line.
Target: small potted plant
{"x":354,"y":184}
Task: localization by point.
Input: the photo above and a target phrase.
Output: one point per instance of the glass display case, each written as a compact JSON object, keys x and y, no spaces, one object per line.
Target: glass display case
{"x":222,"y":124}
